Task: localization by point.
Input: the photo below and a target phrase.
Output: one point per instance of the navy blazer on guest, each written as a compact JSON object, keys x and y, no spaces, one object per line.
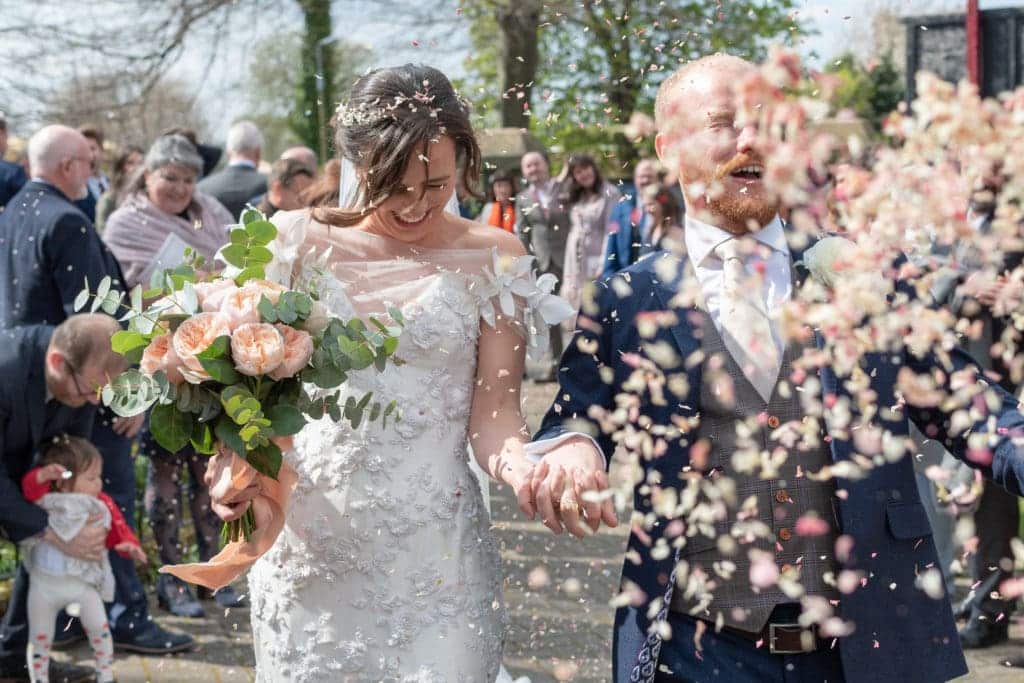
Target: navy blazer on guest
{"x":901,"y":633}
{"x":28,"y":420}
{"x":12,"y":179}
{"x":620,"y":243}
{"x":47,"y":249}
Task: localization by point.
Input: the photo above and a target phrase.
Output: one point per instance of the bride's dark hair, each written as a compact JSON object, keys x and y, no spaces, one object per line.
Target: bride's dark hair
{"x":389,"y":115}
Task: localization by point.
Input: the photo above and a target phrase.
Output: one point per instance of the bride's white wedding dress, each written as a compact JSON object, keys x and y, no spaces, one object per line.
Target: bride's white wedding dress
{"x":386,"y":569}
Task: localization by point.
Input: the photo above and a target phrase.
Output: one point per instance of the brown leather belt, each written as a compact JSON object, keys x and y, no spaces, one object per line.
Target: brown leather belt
{"x":782,"y":639}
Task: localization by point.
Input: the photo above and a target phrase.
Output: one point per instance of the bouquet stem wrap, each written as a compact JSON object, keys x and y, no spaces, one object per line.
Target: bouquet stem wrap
{"x":229,"y":474}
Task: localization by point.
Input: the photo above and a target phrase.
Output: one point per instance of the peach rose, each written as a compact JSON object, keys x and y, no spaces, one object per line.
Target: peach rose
{"x":257,"y":348}
{"x":212,"y":294}
{"x":241,"y":305}
{"x":160,"y":355}
{"x":298,"y":349}
{"x":195,"y":336}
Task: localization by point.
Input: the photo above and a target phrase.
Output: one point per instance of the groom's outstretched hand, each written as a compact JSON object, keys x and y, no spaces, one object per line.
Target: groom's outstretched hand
{"x":570,"y":489}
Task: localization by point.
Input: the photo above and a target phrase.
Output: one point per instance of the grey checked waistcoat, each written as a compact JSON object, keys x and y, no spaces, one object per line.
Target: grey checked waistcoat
{"x":781,"y":500}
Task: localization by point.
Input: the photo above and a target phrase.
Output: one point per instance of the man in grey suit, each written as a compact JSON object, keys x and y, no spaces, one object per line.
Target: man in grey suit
{"x":542,"y":224}
{"x":239,"y":181}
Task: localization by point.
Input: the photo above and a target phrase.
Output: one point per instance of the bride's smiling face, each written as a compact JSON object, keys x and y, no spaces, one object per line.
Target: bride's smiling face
{"x":413,"y":210}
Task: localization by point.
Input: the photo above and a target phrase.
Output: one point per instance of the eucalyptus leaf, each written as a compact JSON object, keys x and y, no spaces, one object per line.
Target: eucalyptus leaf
{"x":202,"y":439}
{"x":226,"y":431}
{"x":220,"y":370}
{"x":251,"y":215}
{"x":218,"y":349}
{"x":261,"y":232}
{"x":267,"y":310}
{"x":250,"y":273}
{"x":170,"y":427}
{"x":266,"y":459}
{"x":82,"y":298}
{"x":285,"y":420}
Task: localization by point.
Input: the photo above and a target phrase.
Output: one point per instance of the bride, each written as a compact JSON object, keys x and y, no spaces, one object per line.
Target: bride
{"x":386,"y":569}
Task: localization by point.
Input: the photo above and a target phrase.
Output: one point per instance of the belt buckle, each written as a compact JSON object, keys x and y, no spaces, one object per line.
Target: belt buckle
{"x":778,"y":651}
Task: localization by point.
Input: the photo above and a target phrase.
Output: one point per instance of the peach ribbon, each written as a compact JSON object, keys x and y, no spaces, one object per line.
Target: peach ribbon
{"x":229,"y":477}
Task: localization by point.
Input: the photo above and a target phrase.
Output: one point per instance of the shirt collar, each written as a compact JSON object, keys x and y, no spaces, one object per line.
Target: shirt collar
{"x":702,"y":238}
{"x":242,"y":162}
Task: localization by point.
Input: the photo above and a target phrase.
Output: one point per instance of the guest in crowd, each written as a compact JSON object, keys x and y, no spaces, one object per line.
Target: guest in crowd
{"x":211,"y":154}
{"x":974,"y":291}
{"x":163,"y":200}
{"x":98,"y":181}
{"x":542,"y":224}
{"x":47,"y":249}
{"x":325,"y":189}
{"x":590,"y":200}
{"x":12,"y":176}
{"x":49,"y":376}
{"x":628,"y":225}
{"x":124,"y":166}
{"x":304,"y":155}
{"x":240,"y":180}
{"x":665,"y":219}
{"x":289,"y":178}
{"x":500,"y":209}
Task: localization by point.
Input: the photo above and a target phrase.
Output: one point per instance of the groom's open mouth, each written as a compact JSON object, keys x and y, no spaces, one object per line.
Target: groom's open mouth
{"x":752,"y":172}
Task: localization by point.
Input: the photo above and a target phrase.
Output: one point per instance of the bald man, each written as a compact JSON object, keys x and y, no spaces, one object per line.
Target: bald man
{"x":721,"y":582}
{"x":304,"y":155}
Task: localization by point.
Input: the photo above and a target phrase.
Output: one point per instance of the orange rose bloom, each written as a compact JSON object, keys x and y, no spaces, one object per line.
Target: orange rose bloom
{"x":257,"y":349}
{"x":195,"y":336}
{"x":298,"y":349}
{"x":160,"y":355}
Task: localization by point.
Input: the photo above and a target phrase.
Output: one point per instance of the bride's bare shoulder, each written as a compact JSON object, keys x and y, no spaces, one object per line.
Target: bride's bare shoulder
{"x":480,"y":236}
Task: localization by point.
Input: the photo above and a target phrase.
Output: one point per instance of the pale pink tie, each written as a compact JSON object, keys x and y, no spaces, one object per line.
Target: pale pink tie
{"x":746,"y":327}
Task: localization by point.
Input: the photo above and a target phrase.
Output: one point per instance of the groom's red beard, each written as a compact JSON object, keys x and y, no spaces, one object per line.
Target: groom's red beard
{"x":751,"y":207}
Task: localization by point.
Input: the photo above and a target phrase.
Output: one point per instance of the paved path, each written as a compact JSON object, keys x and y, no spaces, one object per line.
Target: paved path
{"x":557,"y":592}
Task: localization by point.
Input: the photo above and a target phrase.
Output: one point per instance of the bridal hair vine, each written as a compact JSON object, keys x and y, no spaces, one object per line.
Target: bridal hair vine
{"x":369,"y":113}
{"x":362,"y":114}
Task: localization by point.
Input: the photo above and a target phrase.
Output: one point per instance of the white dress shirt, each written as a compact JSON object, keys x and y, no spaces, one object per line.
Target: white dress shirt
{"x":701,"y":240}
{"x":773,"y":252}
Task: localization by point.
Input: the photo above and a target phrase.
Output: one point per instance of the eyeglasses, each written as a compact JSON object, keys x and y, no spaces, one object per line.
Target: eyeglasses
{"x":78,"y":387}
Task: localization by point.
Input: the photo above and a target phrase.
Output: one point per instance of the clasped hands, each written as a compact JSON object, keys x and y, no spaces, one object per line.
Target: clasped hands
{"x":568,"y":489}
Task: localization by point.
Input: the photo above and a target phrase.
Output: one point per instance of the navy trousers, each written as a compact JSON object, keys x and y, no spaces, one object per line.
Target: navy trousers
{"x":730,"y":658}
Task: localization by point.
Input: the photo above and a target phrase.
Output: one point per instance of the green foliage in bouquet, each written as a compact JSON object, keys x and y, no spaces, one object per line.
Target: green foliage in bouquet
{"x":242,"y":412}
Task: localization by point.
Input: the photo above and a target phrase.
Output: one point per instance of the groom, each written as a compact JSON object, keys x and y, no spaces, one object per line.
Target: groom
{"x":726,"y":554}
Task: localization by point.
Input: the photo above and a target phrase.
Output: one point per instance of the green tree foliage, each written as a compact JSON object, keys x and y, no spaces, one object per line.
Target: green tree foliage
{"x":870,"y":93}
{"x":275,"y":76}
{"x":601,"y":61}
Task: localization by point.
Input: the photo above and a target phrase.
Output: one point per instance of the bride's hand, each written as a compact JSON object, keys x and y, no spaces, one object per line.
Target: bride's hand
{"x":226,"y":503}
{"x":568,"y":488}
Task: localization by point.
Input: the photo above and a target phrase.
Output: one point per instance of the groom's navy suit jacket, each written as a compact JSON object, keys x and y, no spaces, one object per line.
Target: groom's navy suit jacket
{"x":901,"y":633}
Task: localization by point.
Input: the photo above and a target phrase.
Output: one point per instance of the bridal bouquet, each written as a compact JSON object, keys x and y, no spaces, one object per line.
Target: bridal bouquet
{"x":225,"y":362}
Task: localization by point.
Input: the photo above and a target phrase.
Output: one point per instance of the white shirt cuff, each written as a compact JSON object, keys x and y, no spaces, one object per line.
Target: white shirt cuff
{"x":535,"y":450}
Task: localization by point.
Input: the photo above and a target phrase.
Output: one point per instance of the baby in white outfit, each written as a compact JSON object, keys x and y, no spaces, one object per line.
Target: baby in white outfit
{"x":68,"y":485}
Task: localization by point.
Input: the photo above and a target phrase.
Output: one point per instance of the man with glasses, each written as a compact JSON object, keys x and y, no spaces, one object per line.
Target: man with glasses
{"x":50,"y":380}
{"x":48,"y":248}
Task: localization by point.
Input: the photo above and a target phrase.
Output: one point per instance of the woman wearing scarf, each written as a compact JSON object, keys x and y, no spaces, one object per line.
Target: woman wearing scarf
{"x":163,"y":207}
{"x":500,"y":210}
